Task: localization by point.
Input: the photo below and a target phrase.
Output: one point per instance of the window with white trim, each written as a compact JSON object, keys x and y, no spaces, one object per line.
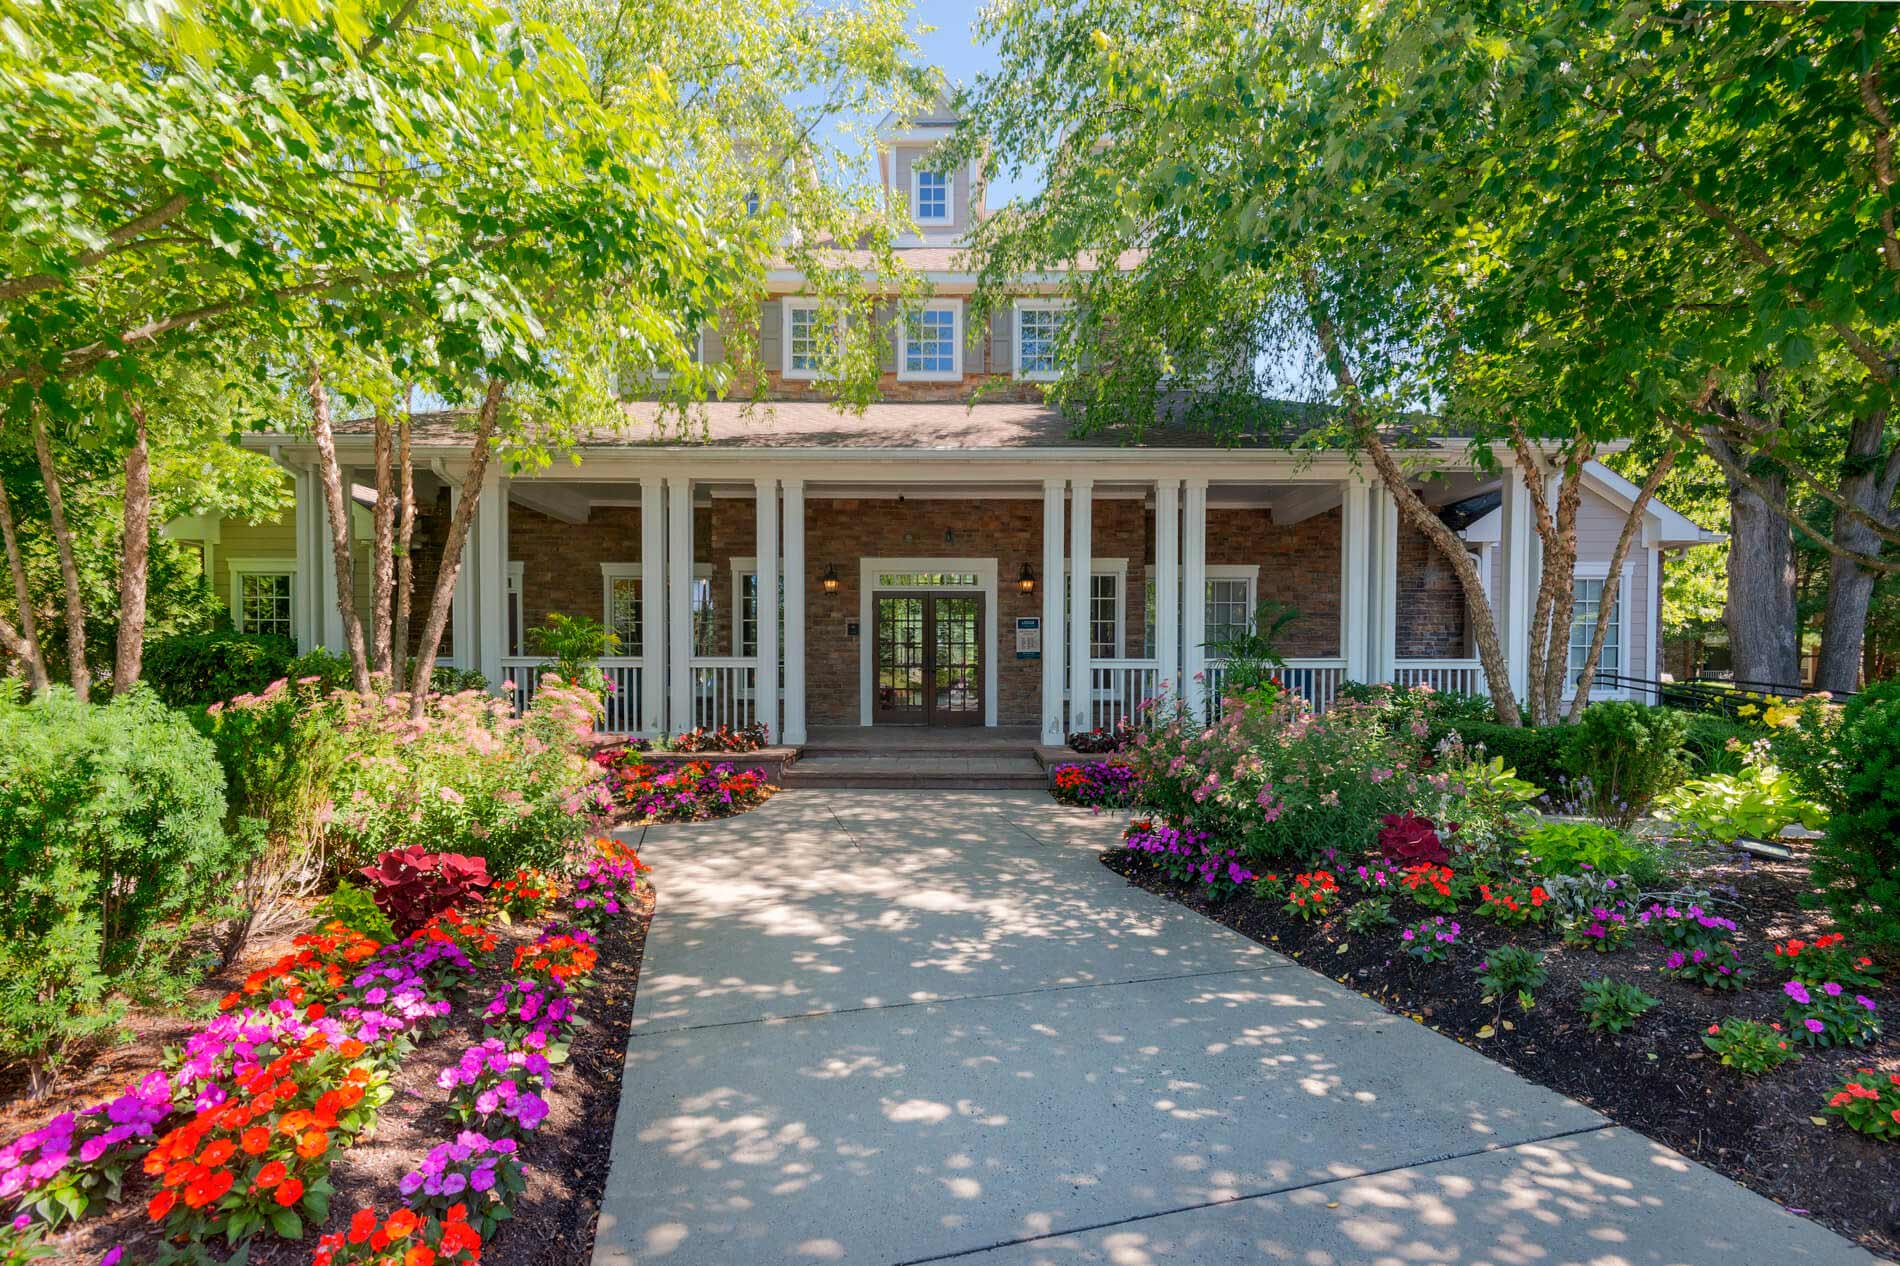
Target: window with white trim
{"x":1108,"y":580}
{"x":516,"y":626}
{"x":263,"y":598}
{"x":1038,"y":331}
{"x":1587,"y":598}
{"x":1229,"y":602}
{"x":814,"y":338}
{"x":929,"y":347}
{"x":930,"y":196}
{"x":623,"y":598}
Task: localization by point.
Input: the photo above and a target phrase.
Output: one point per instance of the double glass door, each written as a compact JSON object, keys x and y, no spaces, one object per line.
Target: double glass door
{"x":928,"y":665}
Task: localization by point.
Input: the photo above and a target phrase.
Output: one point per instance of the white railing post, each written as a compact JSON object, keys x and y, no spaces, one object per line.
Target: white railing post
{"x":1194,"y":596}
{"x":1168,"y":583}
{"x":679,"y":601}
{"x":653,"y":605}
{"x":794,"y":546}
{"x":765,"y":702}
{"x":1081,"y":567}
{"x":1054,"y":662}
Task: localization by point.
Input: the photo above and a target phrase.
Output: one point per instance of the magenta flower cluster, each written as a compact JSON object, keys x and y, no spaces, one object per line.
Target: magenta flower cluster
{"x":608,"y":886}
{"x":97,"y":1137}
{"x":490,"y":1081}
{"x":402,"y":989}
{"x":472,"y":1163}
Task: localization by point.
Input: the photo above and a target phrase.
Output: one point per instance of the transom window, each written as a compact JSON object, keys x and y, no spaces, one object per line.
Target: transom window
{"x":264,"y":603}
{"x":1588,"y":595}
{"x":930,"y":579}
{"x":930,"y":342}
{"x":933,"y":197}
{"x":1038,"y":328}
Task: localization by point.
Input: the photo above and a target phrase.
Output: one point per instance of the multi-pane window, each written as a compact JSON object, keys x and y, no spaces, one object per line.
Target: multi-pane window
{"x":623,"y":613}
{"x":1588,"y":596}
{"x":1229,"y":608}
{"x":748,"y":614}
{"x":264,"y":603}
{"x":1037,"y":330}
{"x":704,"y":642}
{"x":933,"y":197}
{"x":930,"y":342}
{"x":811,"y":339}
{"x":1105,"y":614}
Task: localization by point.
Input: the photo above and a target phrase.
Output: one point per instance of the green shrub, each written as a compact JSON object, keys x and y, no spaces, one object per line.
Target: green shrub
{"x":355,"y":909}
{"x":203,"y":668}
{"x":1513,"y":970}
{"x":1611,"y":1006}
{"x":446,"y":680}
{"x":332,"y":671}
{"x":1536,"y":754}
{"x":112,"y":853}
{"x":1705,"y":741}
{"x":1571,"y":848}
{"x":1857,"y":866}
{"x":1625,"y":754}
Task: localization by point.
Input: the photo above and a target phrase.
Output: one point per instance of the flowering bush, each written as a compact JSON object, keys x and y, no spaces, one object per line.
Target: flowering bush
{"x":469,"y":777}
{"x":1830,"y":1015}
{"x":1405,"y":839}
{"x":1434,"y":887}
{"x":1186,"y":855}
{"x":314,"y":972}
{"x":608,"y":885}
{"x":1611,"y":1006}
{"x":1512,"y":901}
{"x":1749,"y":1046}
{"x":412,"y":886}
{"x":1823,"y":959}
{"x":56,"y":1171}
{"x":691,"y":792}
{"x":1603,"y":929}
{"x":498,"y":1089}
{"x":1312,"y":895}
{"x":1869,"y":1103}
{"x":723,"y":738}
{"x":1430,"y":940}
{"x":1098,"y":741}
{"x":531,"y":1015}
{"x":1689,"y":927}
{"x":1095,"y":784}
{"x":1376,"y":877}
{"x":1279,"y":784}
{"x":395,"y":1241}
{"x":473,"y":1167}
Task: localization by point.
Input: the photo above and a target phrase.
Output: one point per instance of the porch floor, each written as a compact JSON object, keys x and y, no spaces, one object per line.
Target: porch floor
{"x":965,"y":740}
{"x":891,"y":756}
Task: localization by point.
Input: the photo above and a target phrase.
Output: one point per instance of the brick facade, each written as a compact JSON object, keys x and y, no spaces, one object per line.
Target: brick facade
{"x":1431,"y":613}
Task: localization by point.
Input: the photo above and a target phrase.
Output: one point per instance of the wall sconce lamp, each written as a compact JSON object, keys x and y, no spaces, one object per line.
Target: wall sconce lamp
{"x":831,"y":578}
{"x":1028,"y":580}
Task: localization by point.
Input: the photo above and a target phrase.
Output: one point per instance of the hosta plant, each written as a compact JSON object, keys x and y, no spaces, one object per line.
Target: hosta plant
{"x":1869,"y":1102}
{"x":1370,"y":915}
{"x":1823,"y":959}
{"x":1749,"y":1046}
{"x":1613,"y":1006}
{"x":1513,"y":970}
{"x":1830,"y":1015}
{"x":1430,"y":940}
{"x":412,"y":885}
{"x":1312,"y":895}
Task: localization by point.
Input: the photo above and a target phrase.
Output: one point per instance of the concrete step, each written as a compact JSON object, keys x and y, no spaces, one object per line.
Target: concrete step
{"x":932,"y":771}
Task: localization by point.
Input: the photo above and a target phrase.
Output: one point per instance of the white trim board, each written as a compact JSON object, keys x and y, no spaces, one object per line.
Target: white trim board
{"x":985,"y":569}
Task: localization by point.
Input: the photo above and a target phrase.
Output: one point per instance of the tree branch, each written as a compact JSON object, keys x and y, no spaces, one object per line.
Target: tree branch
{"x":123,"y":238}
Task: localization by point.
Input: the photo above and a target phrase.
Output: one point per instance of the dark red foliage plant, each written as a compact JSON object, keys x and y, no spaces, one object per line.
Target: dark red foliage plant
{"x":412,"y":886}
{"x":1407,"y":839}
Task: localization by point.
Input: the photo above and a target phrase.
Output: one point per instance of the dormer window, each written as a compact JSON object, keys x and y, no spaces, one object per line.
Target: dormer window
{"x":930,"y":346}
{"x":930,"y":196}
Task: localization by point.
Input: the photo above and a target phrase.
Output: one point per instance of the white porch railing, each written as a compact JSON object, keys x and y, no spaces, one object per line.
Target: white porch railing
{"x":1315,"y":680}
{"x":725,"y":690}
{"x":1119,"y":689}
{"x":1447,"y":676}
{"x":625,"y":682}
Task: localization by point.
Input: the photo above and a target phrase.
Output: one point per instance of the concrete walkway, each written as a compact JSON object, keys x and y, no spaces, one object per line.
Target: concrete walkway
{"x":904,"y":1027}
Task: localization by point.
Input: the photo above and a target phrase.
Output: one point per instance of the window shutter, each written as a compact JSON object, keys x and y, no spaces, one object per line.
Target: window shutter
{"x":771,"y":335}
{"x":1085,"y":359}
{"x":975,"y":340}
{"x":1003,"y":340}
{"x":884,"y":313}
{"x":715,"y":344}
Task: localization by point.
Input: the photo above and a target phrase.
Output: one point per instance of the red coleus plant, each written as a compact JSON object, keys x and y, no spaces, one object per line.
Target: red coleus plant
{"x":412,"y":886}
{"x":1409,"y":840}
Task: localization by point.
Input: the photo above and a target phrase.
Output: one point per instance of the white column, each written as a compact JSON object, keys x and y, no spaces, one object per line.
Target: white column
{"x":1054,"y":662}
{"x":1517,"y":543}
{"x":794,"y":497}
{"x":653,"y":622}
{"x":1168,"y":583}
{"x":679,"y":601}
{"x":1355,"y":579}
{"x":1081,"y":565}
{"x":1194,"y":595}
{"x":462,"y":599}
{"x":329,"y":618}
{"x":1385,"y":585}
{"x":488,"y":561}
{"x":765,"y":677}
{"x":305,"y":585}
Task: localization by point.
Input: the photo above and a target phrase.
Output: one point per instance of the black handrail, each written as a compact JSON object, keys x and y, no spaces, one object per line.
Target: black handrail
{"x":1712,"y":695}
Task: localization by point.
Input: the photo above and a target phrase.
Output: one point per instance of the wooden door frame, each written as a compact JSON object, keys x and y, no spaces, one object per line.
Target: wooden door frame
{"x":985,"y":570}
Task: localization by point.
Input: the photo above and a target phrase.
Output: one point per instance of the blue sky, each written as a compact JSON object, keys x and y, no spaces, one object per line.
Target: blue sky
{"x":952,"y":48}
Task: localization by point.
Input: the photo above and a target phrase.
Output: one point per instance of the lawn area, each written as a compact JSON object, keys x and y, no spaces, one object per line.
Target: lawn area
{"x":1625,"y":938}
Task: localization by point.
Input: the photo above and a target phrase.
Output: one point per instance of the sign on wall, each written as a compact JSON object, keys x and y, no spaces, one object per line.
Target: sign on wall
{"x":1029,"y":637}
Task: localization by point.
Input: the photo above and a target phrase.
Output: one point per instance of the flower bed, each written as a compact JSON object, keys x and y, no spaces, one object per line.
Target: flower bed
{"x":250,"y":1137}
{"x":694,"y":791}
{"x":1094,"y":784}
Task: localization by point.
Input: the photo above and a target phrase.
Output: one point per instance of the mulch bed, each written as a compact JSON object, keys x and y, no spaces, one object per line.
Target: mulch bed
{"x":566,"y":1157}
{"x":1657,"y":1078}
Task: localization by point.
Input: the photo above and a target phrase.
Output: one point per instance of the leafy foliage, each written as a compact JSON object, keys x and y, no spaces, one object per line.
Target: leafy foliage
{"x":1512,"y":970}
{"x":1570,"y":848}
{"x":1757,"y":802}
{"x":197,"y":669}
{"x":411,"y":886}
{"x":1750,"y":1047}
{"x":1613,"y":1006}
{"x":1629,"y":754}
{"x":355,"y":908}
{"x":1405,"y":839}
{"x":1857,"y":866}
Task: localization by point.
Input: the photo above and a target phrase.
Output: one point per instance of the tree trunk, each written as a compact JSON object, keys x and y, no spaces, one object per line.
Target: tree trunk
{"x":1560,"y":565}
{"x":339,"y":508}
{"x":1531,"y":469}
{"x":24,"y":641}
{"x":1614,"y":580}
{"x":68,"y":569}
{"x":405,"y":565}
{"x":1762,"y":637}
{"x":382,"y":559}
{"x":459,"y":522}
{"x":1850,"y":587}
{"x":134,"y":554}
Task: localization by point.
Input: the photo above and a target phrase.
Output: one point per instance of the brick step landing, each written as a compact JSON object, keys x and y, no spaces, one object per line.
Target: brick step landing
{"x":932,"y":770}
